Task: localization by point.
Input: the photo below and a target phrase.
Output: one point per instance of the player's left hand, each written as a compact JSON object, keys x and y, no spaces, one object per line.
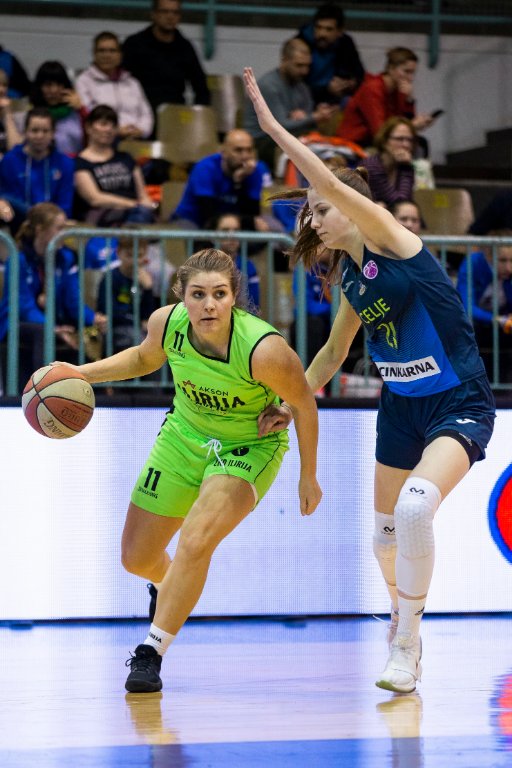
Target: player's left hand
{"x":273,"y":419}
{"x":310,"y":495}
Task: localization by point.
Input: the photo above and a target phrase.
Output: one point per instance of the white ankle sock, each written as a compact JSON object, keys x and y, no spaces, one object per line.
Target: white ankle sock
{"x":410,"y":616}
{"x":159,"y":639}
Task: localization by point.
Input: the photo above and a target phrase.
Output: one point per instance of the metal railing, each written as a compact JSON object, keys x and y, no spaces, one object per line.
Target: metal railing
{"x":269,"y":241}
{"x":431,"y":15}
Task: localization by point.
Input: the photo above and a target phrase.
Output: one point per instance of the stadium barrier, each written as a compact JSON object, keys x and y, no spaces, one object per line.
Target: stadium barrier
{"x":278,"y":305}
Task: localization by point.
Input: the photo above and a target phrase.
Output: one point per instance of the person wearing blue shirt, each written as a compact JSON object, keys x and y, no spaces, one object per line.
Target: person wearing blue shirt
{"x":436,"y":411}
{"x":480,"y":299}
{"x":230,"y":222}
{"x":229,"y":181}
{"x":43,"y":223}
{"x":35,"y":172}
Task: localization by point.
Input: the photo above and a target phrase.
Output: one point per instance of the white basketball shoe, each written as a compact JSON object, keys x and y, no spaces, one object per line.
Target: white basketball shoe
{"x":403,"y":668}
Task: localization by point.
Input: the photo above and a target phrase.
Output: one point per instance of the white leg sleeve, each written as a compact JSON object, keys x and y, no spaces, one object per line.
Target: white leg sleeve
{"x":384,"y":549}
{"x":414,"y":513}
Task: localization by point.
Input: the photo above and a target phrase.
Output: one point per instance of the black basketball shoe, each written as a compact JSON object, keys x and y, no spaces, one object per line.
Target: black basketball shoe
{"x":144,"y":674}
{"x":153,"y":593}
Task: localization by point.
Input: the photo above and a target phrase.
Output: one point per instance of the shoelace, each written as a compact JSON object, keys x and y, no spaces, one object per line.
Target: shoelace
{"x":139,"y":663}
{"x":216,"y":446}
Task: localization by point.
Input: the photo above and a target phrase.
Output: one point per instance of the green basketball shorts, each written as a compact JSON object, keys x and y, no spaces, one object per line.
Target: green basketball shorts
{"x":181,"y":459}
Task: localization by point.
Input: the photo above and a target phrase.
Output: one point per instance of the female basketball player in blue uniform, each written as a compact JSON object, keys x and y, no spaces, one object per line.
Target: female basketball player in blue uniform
{"x":437,"y":411}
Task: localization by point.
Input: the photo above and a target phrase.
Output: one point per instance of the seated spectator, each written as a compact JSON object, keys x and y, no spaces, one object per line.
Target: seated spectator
{"x":286,"y":210}
{"x":9,"y":134}
{"x":318,"y":308}
{"x":390,"y":168}
{"x":379,"y":97}
{"x":123,"y":289}
{"x":496,"y":215}
{"x":289,"y":98}
{"x":44,"y":221}
{"x":480,"y":297}
{"x":230,"y":222}
{"x":105,"y":82}
{"x":408,"y":213}
{"x":53,"y":89}
{"x":109,"y":185}
{"x":19,"y":83}
{"x":336,"y":70}
{"x":163,"y":60}
{"x":229,"y":181}
{"x":35,"y":172}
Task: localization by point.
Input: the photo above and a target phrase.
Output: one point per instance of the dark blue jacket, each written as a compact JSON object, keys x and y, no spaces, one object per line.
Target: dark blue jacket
{"x":25,"y":181}
{"x":32,"y":284}
{"x":481,"y":279}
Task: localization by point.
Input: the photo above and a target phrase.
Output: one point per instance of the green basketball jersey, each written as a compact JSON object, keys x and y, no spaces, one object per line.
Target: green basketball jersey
{"x":218,"y":398}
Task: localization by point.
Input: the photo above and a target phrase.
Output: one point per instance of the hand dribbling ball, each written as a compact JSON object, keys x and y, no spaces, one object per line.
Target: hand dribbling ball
{"x":57,"y":401}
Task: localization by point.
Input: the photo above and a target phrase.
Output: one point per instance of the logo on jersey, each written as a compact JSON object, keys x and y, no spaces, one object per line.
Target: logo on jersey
{"x":411,"y":371}
{"x":347,"y":286}
{"x":465,"y":421}
{"x":375,"y":311}
{"x":500,"y":514}
{"x":370,"y":270}
{"x":362,"y":288}
{"x":209,"y":397}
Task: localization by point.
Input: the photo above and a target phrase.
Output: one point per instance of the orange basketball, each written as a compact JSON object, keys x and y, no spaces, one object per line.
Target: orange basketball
{"x":57,"y":401}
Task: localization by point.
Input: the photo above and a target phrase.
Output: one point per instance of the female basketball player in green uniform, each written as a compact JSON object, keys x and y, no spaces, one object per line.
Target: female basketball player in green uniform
{"x":209,"y":467}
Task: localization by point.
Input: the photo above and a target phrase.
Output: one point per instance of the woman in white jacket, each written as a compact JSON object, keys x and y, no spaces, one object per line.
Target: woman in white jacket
{"x":105,"y":82}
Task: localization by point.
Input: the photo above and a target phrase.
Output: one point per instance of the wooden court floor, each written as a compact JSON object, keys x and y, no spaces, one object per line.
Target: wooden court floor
{"x":253,"y":693}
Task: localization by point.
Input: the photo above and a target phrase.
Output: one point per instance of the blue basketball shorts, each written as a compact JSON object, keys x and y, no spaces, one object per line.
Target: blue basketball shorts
{"x":406,"y":425}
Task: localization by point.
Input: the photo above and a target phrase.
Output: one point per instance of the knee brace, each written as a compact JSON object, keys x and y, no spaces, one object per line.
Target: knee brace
{"x":384,"y":545}
{"x":414,"y":513}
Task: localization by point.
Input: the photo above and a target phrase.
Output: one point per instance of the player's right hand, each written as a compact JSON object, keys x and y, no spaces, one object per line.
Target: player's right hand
{"x":273,"y":419}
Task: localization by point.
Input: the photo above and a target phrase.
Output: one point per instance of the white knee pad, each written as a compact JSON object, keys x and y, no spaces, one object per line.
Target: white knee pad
{"x":414,"y":513}
{"x":384,"y":545}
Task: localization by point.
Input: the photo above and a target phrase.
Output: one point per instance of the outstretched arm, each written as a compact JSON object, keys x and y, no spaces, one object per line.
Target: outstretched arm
{"x":377,"y":225}
{"x":275,"y":364}
{"x":136,"y":361}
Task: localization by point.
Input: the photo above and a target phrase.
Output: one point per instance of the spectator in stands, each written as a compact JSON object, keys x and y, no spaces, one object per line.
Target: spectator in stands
{"x":229,"y":181}
{"x":44,"y":221}
{"x":163,"y":60}
{"x":408,"y":213}
{"x":123,"y":289}
{"x":9,"y":134}
{"x":496,"y":215}
{"x":35,"y":172}
{"x":382,"y":96}
{"x":289,"y":98}
{"x":19,"y":83}
{"x":53,"y":89}
{"x":479,"y":296}
{"x":318,"y":307}
{"x":105,"y":82}
{"x":390,"y":168}
{"x":230,"y":222}
{"x":336,"y":70}
{"x":109,"y":185}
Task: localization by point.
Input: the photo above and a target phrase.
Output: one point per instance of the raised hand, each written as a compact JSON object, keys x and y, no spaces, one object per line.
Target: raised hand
{"x":265,"y":117}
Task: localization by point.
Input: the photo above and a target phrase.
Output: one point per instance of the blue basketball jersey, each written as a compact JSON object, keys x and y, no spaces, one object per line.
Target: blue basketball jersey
{"x":419,"y":335}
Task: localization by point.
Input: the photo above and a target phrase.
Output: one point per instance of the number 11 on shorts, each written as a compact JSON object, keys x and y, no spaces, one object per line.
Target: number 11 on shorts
{"x":152,"y":472}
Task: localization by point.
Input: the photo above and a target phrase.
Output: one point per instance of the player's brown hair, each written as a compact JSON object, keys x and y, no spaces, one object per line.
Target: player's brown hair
{"x":207,"y":260}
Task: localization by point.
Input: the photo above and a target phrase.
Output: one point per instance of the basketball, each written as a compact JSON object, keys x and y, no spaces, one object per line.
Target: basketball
{"x":57,"y":401}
